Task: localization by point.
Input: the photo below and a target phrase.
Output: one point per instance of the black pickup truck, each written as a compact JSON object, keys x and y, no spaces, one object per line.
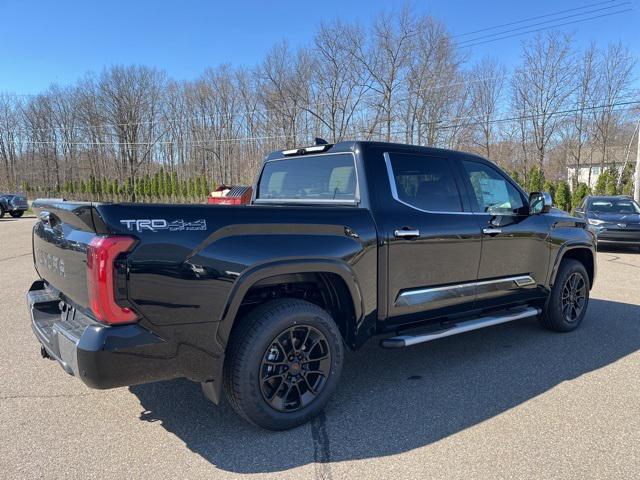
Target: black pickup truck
{"x":340,"y":243}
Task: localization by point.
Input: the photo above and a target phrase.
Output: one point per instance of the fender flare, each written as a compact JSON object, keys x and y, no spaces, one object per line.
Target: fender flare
{"x":259,"y":272}
{"x":562,"y":252}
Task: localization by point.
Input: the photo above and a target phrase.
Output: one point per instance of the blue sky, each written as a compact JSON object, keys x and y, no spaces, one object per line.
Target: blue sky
{"x":44,"y":42}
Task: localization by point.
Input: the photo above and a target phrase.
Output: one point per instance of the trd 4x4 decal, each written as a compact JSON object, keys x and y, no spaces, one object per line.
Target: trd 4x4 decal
{"x":159,"y":224}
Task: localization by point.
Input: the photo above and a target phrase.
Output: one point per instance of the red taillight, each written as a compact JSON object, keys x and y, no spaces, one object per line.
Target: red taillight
{"x":101,"y":254}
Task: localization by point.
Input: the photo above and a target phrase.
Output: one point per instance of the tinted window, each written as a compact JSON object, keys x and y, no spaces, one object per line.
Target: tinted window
{"x":622,"y":206}
{"x":493,"y":192}
{"x":319,"y":177}
{"x":425,"y":182}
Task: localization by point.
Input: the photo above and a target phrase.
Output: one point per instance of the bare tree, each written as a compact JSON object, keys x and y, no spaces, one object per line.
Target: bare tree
{"x":386,"y":59}
{"x":280,"y":92}
{"x":10,"y":144}
{"x":542,"y":86}
{"x":338,"y":83}
{"x":579,"y":127}
{"x":437,"y":96}
{"x":130,"y":98}
{"x":612,"y":83}
{"x":486,"y":84}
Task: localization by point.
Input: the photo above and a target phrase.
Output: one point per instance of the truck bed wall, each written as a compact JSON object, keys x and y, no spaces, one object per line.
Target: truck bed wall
{"x":190,"y":257}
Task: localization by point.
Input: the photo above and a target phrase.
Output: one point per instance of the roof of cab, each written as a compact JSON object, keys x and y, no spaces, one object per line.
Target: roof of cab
{"x":353,"y":145}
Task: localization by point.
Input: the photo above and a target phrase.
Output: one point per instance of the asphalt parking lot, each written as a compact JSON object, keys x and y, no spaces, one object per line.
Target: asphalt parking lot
{"x":512,"y":401}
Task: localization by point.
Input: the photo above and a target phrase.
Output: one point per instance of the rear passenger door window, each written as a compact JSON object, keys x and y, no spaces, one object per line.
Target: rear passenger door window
{"x":424,"y":183}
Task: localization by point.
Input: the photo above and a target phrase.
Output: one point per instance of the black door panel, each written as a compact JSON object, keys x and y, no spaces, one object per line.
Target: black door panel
{"x":514,"y":243}
{"x":432,"y":253}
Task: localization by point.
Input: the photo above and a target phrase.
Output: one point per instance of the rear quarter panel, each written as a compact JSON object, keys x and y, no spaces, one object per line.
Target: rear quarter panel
{"x":186,"y":275}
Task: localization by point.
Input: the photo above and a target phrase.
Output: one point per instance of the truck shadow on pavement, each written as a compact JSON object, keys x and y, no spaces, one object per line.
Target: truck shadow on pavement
{"x":393,"y":401}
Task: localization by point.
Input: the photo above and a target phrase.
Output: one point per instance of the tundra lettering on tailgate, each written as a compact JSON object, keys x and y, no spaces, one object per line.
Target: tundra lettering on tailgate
{"x":50,"y":262}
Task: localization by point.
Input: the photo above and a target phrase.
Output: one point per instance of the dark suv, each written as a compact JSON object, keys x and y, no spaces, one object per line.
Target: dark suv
{"x":13,"y":204}
{"x":340,"y":243}
{"x":614,"y":220}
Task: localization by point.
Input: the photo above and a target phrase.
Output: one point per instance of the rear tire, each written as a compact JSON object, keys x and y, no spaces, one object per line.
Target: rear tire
{"x":283,"y":362}
{"x":567,"y":303}
{"x":1,"y":211}
{"x":16,"y":214}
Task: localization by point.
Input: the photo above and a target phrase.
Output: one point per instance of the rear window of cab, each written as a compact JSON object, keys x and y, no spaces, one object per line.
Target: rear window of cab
{"x":328,"y":178}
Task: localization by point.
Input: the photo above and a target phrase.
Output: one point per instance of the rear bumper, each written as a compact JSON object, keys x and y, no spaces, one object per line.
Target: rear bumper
{"x":101,"y":356}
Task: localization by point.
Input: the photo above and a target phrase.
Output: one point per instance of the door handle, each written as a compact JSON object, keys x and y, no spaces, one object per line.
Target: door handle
{"x":406,"y":233}
{"x":491,"y":231}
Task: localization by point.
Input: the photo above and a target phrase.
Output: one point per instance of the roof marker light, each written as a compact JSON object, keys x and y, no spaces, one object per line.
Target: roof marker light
{"x":310,"y":149}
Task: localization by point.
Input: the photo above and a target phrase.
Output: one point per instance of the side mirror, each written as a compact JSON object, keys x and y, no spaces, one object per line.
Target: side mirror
{"x":539,"y":202}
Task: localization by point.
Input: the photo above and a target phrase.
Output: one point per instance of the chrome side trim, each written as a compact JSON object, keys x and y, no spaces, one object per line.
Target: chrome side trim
{"x":482,"y":322}
{"x":524,"y":281}
{"x":449,"y":292}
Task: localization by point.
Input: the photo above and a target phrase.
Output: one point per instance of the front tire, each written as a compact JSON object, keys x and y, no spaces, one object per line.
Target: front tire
{"x":17,"y":214}
{"x":283,"y":362}
{"x":1,"y":211}
{"x":567,"y":303}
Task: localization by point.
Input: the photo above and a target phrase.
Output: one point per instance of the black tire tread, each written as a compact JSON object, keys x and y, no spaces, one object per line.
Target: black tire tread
{"x":238,"y":346}
{"x":546,"y":318}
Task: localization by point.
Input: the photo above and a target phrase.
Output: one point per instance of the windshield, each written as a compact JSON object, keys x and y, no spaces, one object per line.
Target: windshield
{"x":317,"y":178}
{"x":622,"y":205}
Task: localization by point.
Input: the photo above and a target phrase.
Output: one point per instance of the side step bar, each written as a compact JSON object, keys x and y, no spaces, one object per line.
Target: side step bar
{"x":407,"y":340}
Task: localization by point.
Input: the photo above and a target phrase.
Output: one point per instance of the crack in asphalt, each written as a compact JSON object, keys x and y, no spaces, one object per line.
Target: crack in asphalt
{"x":321,"y":447}
{"x":55,"y":395}
{"x":616,"y":261}
{"x":17,"y":256}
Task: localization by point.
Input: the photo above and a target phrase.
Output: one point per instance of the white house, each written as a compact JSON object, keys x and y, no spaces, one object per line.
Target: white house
{"x":591,"y":168}
{"x":590,"y":178}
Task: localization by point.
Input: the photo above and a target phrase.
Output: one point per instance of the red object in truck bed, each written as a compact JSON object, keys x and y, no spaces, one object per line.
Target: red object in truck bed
{"x":235,"y":195}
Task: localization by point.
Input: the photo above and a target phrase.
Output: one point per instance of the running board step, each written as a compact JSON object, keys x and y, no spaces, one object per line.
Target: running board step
{"x":407,"y":340}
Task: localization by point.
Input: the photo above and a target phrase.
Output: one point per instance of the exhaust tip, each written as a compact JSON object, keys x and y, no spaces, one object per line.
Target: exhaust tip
{"x":44,"y":353}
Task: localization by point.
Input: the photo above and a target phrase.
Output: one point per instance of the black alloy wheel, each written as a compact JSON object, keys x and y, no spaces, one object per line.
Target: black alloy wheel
{"x":282,"y":363}
{"x":573,"y":298}
{"x":295,"y":368}
{"x":568,"y":299}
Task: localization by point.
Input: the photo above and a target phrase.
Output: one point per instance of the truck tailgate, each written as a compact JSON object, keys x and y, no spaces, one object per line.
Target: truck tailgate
{"x":60,"y":240}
